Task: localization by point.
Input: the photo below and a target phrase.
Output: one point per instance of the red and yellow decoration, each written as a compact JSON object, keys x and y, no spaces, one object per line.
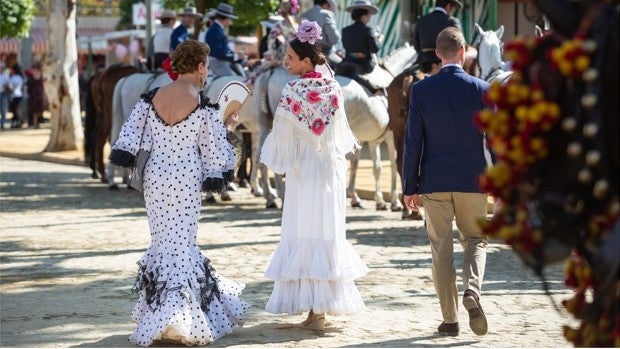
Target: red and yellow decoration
{"x":517,"y":127}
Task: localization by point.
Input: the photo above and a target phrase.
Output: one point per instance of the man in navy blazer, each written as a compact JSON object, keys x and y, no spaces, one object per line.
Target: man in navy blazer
{"x":427,"y":28}
{"x":221,"y":57}
{"x":443,"y":156}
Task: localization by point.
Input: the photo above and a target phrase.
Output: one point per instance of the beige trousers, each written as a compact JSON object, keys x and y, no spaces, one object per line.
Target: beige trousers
{"x":440,"y":209}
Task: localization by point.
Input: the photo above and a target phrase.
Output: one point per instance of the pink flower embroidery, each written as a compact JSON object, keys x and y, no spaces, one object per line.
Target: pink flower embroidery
{"x":314,"y":97}
{"x":334,"y":100}
{"x":312,"y":75}
{"x":317,"y":126}
{"x":296,"y":107}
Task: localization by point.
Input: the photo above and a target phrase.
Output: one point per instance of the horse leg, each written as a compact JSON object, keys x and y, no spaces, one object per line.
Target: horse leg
{"x":355,"y":199}
{"x":110,"y":173}
{"x":99,"y":158}
{"x":394,"y":190}
{"x":375,"y":156}
{"x":280,"y":185}
{"x":255,"y":189}
{"x":267,"y":193}
{"x":225,"y":195}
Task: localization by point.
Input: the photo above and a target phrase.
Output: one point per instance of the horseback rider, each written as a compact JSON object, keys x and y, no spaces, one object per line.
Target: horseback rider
{"x":323,"y":14}
{"x":360,"y":41}
{"x":222,"y":58}
{"x":180,"y":33}
{"x":159,"y":45}
{"x":428,"y":27}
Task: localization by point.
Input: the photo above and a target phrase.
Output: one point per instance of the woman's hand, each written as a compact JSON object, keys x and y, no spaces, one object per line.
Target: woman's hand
{"x":231,"y":121}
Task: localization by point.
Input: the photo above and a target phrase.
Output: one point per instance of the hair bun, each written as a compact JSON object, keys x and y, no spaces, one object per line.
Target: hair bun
{"x":309,"y":31}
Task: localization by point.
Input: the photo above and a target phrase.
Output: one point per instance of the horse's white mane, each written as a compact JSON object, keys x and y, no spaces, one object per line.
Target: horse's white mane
{"x":399,"y":59}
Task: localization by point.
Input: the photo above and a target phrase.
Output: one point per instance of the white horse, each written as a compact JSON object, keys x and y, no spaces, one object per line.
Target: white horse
{"x":127,"y":93}
{"x":490,"y":55}
{"x":366,"y":112}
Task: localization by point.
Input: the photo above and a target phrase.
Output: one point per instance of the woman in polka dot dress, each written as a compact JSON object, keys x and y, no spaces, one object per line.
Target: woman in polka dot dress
{"x":181,"y":297}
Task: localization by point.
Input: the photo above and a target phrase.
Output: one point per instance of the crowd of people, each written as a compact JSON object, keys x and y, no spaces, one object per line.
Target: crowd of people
{"x":313,"y":268}
{"x":17,"y":84}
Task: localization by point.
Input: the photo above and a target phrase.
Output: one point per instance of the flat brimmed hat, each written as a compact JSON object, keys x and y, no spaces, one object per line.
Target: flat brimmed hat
{"x":273,"y":20}
{"x":167,"y":14}
{"x":223,"y":9}
{"x":209,"y":15}
{"x":190,"y":11}
{"x":364,"y":5}
{"x":457,"y":3}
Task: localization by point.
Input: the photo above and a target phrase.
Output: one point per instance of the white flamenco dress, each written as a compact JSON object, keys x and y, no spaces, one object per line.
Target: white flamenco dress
{"x":313,"y":266}
{"x":181,"y":297}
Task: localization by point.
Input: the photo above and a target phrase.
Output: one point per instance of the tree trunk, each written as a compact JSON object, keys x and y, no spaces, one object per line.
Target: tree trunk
{"x":61,"y":77}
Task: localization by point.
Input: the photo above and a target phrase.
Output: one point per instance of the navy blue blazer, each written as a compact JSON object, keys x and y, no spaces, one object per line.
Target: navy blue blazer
{"x":443,"y":150}
{"x":218,"y":41}
{"x":178,"y":35}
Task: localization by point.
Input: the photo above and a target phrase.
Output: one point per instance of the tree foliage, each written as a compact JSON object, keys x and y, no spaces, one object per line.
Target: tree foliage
{"x":15,"y":18}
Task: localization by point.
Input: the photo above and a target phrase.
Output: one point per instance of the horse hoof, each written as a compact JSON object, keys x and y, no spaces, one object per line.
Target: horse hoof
{"x":257,"y":193}
{"x":231,"y":187}
{"x":113,"y":187}
{"x":104,"y":180}
{"x":271,"y":205}
{"x":210,"y":200}
{"x":381,"y":207}
{"x":226,"y":197}
{"x":396,"y":208}
{"x":357,"y":205}
{"x":94,"y":175}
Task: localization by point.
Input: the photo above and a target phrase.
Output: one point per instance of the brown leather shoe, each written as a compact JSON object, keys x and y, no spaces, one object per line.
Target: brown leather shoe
{"x":449,"y":329}
{"x":477,"y":319}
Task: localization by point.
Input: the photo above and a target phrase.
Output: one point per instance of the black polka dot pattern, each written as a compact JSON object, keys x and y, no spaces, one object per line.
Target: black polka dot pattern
{"x":180,"y":296}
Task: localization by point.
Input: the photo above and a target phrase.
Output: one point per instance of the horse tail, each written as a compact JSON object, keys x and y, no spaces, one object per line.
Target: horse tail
{"x":118,"y":112}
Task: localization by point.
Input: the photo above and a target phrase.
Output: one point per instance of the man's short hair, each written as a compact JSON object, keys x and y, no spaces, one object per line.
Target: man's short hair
{"x":449,"y":41}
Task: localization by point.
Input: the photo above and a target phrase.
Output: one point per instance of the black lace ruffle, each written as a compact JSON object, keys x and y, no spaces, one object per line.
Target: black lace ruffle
{"x":148,"y":96}
{"x":156,"y":291}
{"x":206,"y":102}
{"x":122,"y":158}
{"x":217,"y":185}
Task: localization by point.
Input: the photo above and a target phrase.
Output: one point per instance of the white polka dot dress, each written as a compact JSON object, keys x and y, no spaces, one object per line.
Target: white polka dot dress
{"x":181,"y":297}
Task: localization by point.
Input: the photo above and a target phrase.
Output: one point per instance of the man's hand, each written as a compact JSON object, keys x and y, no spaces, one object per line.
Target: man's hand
{"x":412,"y":202}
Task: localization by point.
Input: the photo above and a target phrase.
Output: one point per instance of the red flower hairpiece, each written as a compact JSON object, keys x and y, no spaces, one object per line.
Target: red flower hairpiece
{"x":167,"y":65}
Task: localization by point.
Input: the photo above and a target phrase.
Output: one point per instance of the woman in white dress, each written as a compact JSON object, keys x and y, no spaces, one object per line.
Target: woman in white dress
{"x":313,"y":266}
{"x":181,"y":297}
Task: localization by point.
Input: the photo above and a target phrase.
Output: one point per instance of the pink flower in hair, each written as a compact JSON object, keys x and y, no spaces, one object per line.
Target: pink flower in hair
{"x":294,"y":7}
{"x":309,"y":31}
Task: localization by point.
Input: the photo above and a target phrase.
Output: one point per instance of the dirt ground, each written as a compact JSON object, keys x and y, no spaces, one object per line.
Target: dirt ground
{"x":68,"y":248}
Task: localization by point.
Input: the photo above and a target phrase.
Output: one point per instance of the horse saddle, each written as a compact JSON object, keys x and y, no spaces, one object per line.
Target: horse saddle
{"x":374,"y":81}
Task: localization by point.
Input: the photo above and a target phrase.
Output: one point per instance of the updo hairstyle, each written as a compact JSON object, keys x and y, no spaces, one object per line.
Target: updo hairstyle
{"x":305,"y":49}
{"x":188,"y":55}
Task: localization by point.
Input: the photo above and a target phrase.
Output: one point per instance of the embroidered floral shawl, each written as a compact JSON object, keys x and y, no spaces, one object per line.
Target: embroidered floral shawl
{"x":310,"y":120}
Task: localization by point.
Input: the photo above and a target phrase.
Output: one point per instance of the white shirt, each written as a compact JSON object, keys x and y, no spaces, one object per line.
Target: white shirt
{"x":4,"y":78}
{"x":161,"y":40}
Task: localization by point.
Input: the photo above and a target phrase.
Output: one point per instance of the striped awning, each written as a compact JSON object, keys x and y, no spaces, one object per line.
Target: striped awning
{"x":388,"y":20}
{"x":38,"y":38}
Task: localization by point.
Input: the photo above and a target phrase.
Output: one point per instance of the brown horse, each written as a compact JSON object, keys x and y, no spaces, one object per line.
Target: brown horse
{"x":559,"y":182}
{"x":398,"y":108}
{"x":99,"y":117}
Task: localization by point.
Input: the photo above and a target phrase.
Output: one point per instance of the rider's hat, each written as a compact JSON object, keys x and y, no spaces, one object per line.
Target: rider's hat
{"x":273,"y":20}
{"x":457,"y":3}
{"x":364,"y":5}
{"x":190,"y":11}
{"x":167,"y":14}
{"x":223,"y":9}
